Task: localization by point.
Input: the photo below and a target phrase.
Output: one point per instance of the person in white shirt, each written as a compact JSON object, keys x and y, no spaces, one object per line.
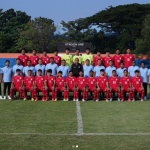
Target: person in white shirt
{"x":131,"y":69}
{"x":120,"y":71}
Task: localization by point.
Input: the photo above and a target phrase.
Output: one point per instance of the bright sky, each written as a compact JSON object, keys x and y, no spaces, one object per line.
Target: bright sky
{"x":66,"y":10}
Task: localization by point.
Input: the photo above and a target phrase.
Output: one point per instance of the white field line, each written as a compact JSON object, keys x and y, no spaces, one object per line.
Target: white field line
{"x":55,"y":134}
{"x":79,"y":118}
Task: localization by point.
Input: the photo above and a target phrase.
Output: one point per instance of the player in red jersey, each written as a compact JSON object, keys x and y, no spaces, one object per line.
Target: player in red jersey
{"x":23,"y":58}
{"x":107,"y":59}
{"x":45,"y":58}
{"x":102,"y":84}
{"x":50,"y":82}
{"x":137,"y":85}
{"x":114,"y":82}
{"x":95,"y":61}
{"x":128,"y":58}
{"x":60,"y":86}
{"x":92,"y":84}
{"x":82,"y":85}
{"x":126,"y":85}
{"x":57,"y":59}
{"x":71,"y":86}
{"x":34,"y":58}
{"x":117,"y":59}
{"x":17,"y":84}
{"x":39,"y":85}
{"x":29,"y":85}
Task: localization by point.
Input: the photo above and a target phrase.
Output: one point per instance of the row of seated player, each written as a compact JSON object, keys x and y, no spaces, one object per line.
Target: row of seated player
{"x":117,"y":59}
{"x":81,"y":84}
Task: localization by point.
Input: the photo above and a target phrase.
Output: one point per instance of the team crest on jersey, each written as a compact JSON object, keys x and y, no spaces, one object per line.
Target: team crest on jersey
{"x":130,"y":57}
{"x":116,"y":79}
{"x":127,"y":79}
{"x":89,"y":56}
{"x":104,"y":79}
{"x":20,"y":77}
{"x":79,"y":66}
{"x":25,"y":57}
{"x":69,"y":56}
{"x":42,"y":79}
{"x":47,"y":58}
{"x":73,"y":79}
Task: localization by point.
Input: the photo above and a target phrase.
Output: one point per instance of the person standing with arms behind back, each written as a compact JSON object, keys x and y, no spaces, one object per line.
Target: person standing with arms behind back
{"x":118,"y":59}
{"x":1,"y":80}
{"x":97,"y":58}
{"x":57,"y":59}
{"x":7,"y":76}
{"x":87,"y":56}
{"x":23,"y":58}
{"x":128,"y":58}
{"x":144,"y":74}
{"x":67,"y":57}
{"x":45,"y":58}
{"x":107,"y":59}
{"x":34,"y":58}
{"x":77,"y":55}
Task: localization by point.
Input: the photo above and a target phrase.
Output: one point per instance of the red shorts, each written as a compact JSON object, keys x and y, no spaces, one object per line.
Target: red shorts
{"x":16,"y":88}
{"x":138,"y":90}
{"x":103,"y":89}
{"x":91,"y":89}
{"x":114,"y":89}
{"x":81,"y":89}
{"x":60,"y":88}
{"x":126,"y":89}
{"x":39,"y":89}
{"x":71,"y":89}
{"x":28,"y":89}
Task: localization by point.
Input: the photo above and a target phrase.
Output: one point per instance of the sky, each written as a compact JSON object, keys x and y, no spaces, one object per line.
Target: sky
{"x":66,"y":10}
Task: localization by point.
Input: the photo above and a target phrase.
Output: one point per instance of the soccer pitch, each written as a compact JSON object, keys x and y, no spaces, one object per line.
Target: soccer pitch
{"x":74,"y":125}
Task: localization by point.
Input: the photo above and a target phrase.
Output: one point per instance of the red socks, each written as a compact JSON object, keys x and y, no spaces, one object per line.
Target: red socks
{"x":130,"y":94}
{"x":122,"y":94}
{"x":143,"y":93}
{"x":53,"y":94}
{"x":97,"y":94}
{"x":86,"y":94}
{"x":24,"y":93}
{"x":107,"y":94}
{"x":110,"y":95}
{"x":11,"y":93}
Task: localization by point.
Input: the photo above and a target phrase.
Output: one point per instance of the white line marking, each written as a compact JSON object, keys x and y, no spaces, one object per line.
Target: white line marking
{"x":79,"y":118}
{"x":77,"y":134}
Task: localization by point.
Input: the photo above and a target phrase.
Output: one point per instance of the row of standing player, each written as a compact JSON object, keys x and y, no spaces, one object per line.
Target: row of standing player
{"x":117,"y":59}
{"x":81,"y":84}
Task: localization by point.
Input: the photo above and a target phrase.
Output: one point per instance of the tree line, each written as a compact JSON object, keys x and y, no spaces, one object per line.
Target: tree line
{"x":123,"y":26}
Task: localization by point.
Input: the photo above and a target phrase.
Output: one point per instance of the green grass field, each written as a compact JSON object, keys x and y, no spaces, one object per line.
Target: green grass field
{"x":26,"y":125}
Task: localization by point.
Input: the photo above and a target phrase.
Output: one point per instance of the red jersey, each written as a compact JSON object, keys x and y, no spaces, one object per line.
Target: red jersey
{"x":29,"y":82}
{"x":128,"y":60}
{"x":18,"y":81}
{"x":45,"y":60}
{"x":57,"y":60}
{"x":126,"y":82}
{"x":71,"y":82}
{"x":96,"y":59}
{"x":23,"y":60}
{"x":34,"y":60}
{"x":102,"y":81}
{"x":81,"y":82}
{"x":117,"y":60}
{"x":137,"y":81}
{"x":60,"y":82}
{"x":114,"y":82}
{"x":50,"y":81}
{"x":39,"y":81}
{"x":106,"y":61}
{"x":91,"y":82}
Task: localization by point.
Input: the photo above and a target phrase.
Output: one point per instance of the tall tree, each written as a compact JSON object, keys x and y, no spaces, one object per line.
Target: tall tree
{"x":37,"y":34}
{"x":143,"y":43}
{"x":10,"y":22}
{"x":126,"y":20}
